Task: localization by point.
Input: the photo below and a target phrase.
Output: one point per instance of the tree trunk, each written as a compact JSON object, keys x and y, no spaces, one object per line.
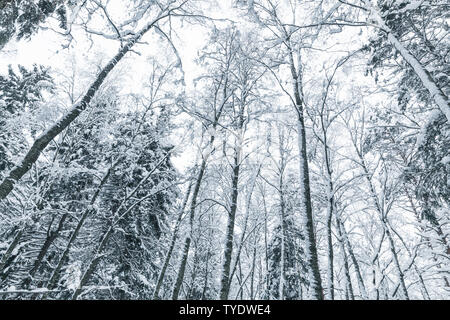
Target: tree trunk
{"x":283,"y":225}
{"x":52,"y":235}
{"x":244,"y":231}
{"x":225,"y":282}
{"x":348,"y":281}
{"x":205,"y":285}
{"x":252,"y":276}
{"x":198,"y":182}
{"x":7,"y":255}
{"x":116,"y":217}
{"x":187,"y":244}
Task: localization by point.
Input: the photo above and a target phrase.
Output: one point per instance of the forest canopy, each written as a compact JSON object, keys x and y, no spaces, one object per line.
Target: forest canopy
{"x":232,"y":149}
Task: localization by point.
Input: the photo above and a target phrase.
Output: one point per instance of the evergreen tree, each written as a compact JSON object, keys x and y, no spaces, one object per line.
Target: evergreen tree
{"x":132,"y":259}
{"x":20,"y":93}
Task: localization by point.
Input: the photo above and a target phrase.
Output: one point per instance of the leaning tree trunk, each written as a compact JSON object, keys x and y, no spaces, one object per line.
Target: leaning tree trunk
{"x":423,"y":287}
{"x":349,"y":295}
{"x":396,"y":260}
{"x":306,"y":205}
{"x":229,"y":238}
{"x":116,"y":217}
{"x":7,"y":185}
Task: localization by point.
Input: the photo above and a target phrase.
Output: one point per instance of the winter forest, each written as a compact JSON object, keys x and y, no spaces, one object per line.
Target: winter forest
{"x":224,"y":149}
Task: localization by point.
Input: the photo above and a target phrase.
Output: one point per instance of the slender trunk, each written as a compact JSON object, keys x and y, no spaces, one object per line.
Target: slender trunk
{"x":241,"y":282}
{"x":244,"y":231}
{"x":361,"y":286}
{"x":205,"y":285}
{"x":348,"y":281}
{"x":330,"y":254}
{"x":266,"y":249}
{"x":330,"y":207}
{"x":281,"y":294}
{"x":117,"y":216}
{"x":182,"y":269}
{"x":306,"y":206}
{"x":374,"y":283}
{"x":51,"y":237}
{"x":187,"y":244}
{"x":225,"y":281}
{"x":4,"y":262}
{"x":7,"y":185}
{"x":190,"y":294}
{"x":396,"y":261}
{"x":171,"y":246}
